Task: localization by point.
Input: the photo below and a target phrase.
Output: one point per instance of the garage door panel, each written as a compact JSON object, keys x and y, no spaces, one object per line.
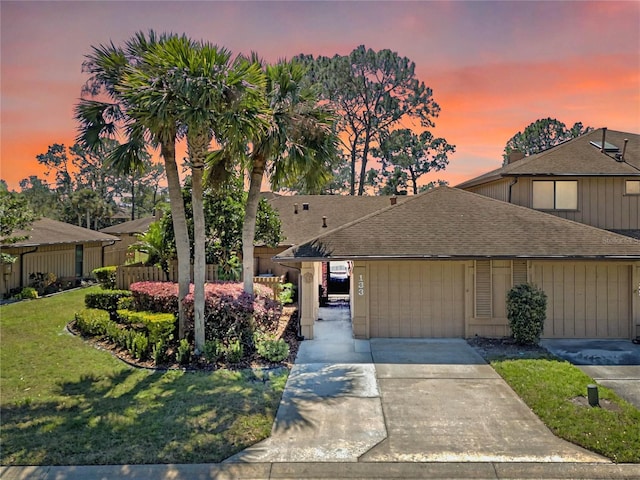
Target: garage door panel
{"x":423,"y":299}
{"x":586,"y":300}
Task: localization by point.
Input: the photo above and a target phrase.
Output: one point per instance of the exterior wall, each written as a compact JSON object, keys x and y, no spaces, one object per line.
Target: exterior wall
{"x":116,"y":254}
{"x":602,"y":202}
{"x":491,"y":320}
{"x":587,"y":299}
{"x":415,"y":299}
{"x":57,"y":259}
{"x":635,"y":303}
{"x":498,"y":189}
{"x":263,"y":264}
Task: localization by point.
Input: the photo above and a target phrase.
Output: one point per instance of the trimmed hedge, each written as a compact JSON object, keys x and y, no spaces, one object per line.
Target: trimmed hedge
{"x":160,"y":327}
{"x":106,"y":277}
{"x":230,"y":313}
{"x":109,"y":300}
{"x":93,"y":322}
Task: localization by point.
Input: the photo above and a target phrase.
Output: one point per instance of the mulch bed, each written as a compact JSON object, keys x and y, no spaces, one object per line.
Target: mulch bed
{"x":506,"y":347}
{"x":287,"y":330}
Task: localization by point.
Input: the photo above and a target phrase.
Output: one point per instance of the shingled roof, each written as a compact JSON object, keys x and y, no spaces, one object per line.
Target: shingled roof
{"x":51,"y":232}
{"x":140,"y":225}
{"x":576,"y":157}
{"x":452,"y":223}
{"x":339,"y":210}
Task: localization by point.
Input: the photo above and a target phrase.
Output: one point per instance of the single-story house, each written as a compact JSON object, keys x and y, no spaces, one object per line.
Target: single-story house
{"x":303,"y":217}
{"x":440,"y":264}
{"x":68,"y":251}
{"x":118,"y":253}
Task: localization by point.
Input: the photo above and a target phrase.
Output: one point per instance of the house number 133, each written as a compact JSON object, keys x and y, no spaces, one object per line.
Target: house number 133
{"x":360,"y":285}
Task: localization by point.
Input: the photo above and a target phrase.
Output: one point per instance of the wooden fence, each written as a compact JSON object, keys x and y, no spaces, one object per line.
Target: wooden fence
{"x":274,"y":282}
{"x":126,"y":275}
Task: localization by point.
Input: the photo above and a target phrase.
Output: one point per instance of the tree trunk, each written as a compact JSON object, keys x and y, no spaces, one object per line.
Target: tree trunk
{"x":180,"y":231}
{"x":363,"y":166}
{"x":249,"y":224}
{"x":352,"y":190}
{"x":197,"y":151}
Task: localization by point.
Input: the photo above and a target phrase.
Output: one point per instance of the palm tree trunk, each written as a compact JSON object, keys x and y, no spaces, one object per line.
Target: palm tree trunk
{"x":180,"y":231}
{"x":197,"y":150}
{"x":249,"y":223}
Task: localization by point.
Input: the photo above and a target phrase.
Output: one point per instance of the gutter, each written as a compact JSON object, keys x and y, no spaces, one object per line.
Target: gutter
{"x":511,"y":185}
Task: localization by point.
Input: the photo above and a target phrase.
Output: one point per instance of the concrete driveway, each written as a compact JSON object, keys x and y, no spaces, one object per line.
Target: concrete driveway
{"x":614,"y":364}
{"x":402,"y":401}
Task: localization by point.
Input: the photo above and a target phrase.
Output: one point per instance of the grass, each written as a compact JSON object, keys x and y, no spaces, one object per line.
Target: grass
{"x":548,"y":387}
{"x":66,"y":403}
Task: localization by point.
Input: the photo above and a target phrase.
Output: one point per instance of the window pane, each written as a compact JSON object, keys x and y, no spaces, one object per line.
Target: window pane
{"x":567,"y":195}
{"x":543,"y":195}
{"x":633,"y":187}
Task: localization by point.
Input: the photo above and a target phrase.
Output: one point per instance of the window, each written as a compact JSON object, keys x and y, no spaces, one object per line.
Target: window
{"x":79,"y":260}
{"x":632,"y":187}
{"x":555,"y":195}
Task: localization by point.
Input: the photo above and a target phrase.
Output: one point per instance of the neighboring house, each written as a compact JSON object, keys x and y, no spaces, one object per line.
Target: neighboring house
{"x":440,"y":264}
{"x":68,"y":251}
{"x":577,"y":180}
{"x":118,"y":253}
{"x":306,"y":216}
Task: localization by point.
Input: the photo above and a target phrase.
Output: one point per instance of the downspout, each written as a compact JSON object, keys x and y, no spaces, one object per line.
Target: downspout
{"x":104,"y":245}
{"x":22,"y":265}
{"x":511,"y":187}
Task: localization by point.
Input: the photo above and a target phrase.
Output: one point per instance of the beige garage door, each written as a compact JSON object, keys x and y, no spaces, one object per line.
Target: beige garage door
{"x":586,"y":300}
{"x":416,"y":299}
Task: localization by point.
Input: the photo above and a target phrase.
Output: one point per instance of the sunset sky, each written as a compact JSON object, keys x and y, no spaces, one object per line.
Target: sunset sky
{"x":494,"y":67}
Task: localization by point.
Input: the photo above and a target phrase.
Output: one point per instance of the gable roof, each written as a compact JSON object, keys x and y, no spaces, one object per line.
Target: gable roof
{"x":140,"y":225}
{"x":52,"y":232}
{"x":339,"y":210}
{"x":576,"y":157}
{"x":452,"y":223}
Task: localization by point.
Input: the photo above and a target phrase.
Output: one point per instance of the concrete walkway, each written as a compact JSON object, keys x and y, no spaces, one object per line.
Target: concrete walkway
{"x":401,"y":400}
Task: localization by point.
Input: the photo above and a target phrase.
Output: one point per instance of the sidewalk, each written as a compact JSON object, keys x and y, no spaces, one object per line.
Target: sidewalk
{"x":291,"y":471}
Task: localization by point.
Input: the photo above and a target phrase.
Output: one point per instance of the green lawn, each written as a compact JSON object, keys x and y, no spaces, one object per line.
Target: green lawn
{"x":66,"y":403}
{"x":548,"y":387}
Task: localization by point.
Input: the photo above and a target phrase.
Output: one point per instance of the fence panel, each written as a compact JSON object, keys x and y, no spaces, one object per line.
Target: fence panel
{"x":126,"y":275}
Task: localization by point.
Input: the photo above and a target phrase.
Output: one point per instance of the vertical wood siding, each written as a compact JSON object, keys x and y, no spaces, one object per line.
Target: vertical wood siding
{"x":586,"y":299}
{"x":498,"y":189}
{"x":601,"y":202}
{"x":416,"y":299}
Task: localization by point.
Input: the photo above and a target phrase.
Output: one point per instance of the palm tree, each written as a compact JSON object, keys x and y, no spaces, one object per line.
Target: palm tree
{"x":209,"y":96}
{"x":298,"y":143}
{"x":140,"y":112}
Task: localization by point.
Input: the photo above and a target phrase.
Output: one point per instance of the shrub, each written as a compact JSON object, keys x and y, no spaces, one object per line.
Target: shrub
{"x":286,"y":294}
{"x":183,"y":354}
{"x":232,"y":313}
{"x":155,"y":296}
{"x":107,"y":300}
{"x":106,"y":277}
{"x":234,"y":351}
{"x":527,"y":311}
{"x":93,"y":322}
{"x":139,"y":346}
{"x":159,"y":353}
{"x":28,"y":293}
{"x":40,"y":281}
{"x":213,"y":350}
{"x":158,"y":326}
{"x":271,"y":349}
